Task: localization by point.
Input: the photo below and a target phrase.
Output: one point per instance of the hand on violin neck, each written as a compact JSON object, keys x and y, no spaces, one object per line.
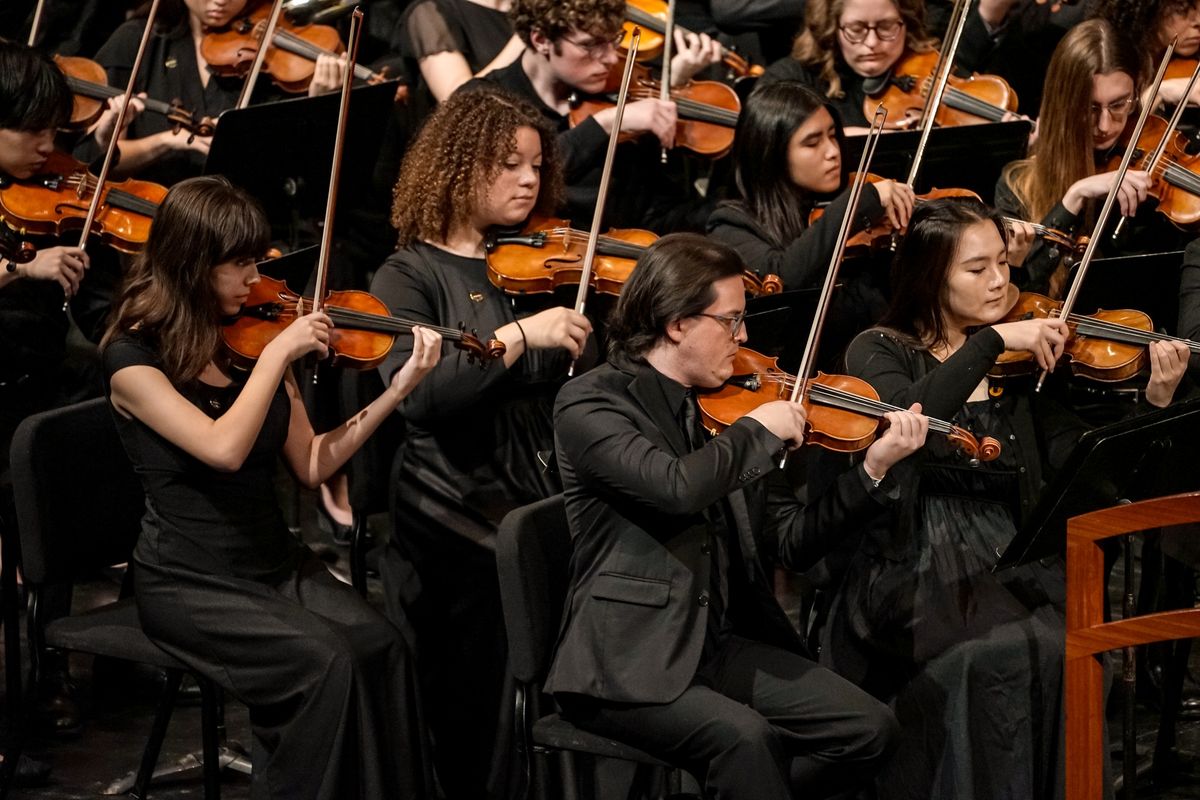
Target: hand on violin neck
{"x":694,"y":52}
{"x":426,"y":352}
{"x":1168,"y":364}
{"x":905,"y":434}
{"x":1019,"y":241}
{"x":995,"y":12}
{"x":327,"y":74}
{"x":1045,"y":338}
{"x":102,"y":131}
{"x":785,"y":419}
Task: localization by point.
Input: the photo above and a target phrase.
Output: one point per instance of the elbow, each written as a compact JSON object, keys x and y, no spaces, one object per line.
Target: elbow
{"x":226,"y":461}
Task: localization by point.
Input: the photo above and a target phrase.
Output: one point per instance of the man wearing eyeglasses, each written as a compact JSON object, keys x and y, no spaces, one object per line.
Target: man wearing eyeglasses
{"x":671,"y":639}
{"x":571,"y":48}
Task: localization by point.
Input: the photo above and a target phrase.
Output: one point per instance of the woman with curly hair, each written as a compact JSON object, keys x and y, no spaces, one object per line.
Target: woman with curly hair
{"x":483,"y":160}
{"x":1151,"y":25}
{"x":847,"y":43}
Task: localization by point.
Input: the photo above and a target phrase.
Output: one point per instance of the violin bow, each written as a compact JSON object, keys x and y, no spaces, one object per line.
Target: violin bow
{"x":335,"y":174}
{"x":589,"y":257}
{"x":37,"y":22}
{"x":1159,"y":151}
{"x":260,"y":56}
{"x":945,"y":59}
{"x":945,"y":64}
{"x":664,"y":89}
{"x":1106,"y":210}
{"x":122,"y":112}
{"x":809,"y":358}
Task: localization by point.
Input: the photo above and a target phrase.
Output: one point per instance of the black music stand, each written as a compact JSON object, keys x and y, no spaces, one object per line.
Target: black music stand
{"x":961,"y":157}
{"x":777,"y":325}
{"x":1151,"y":455}
{"x":281,"y":152}
{"x":1149,"y":283}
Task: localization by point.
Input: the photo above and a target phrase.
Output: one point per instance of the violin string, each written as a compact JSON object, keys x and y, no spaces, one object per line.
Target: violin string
{"x":381,"y":323}
{"x":1181,"y":177}
{"x":292,"y":43}
{"x":821,"y":392}
{"x":962,"y":101}
{"x":1130,"y":335}
{"x":695,"y":110}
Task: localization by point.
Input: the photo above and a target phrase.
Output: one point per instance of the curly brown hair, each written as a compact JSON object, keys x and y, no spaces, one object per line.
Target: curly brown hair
{"x":458,"y":153}
{"x":556,"y":18}
{"x":1141,"y":20}
{"x":816,"y":46}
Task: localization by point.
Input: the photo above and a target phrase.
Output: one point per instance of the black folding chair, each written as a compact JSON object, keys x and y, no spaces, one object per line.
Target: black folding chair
{"x":533,"y":551}
{"x":79,"y":506}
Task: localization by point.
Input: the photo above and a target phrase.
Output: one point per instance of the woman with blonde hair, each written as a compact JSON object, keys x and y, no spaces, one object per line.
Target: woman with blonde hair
{"x":848,"y":45}
{"x":1091,"y":95}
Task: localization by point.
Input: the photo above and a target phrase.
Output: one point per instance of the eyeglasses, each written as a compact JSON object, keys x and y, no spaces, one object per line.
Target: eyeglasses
{"x":1118,"y":109}
{"x":598,"y":46}
{"x":886,"y":30}
{"x":734,"y":323}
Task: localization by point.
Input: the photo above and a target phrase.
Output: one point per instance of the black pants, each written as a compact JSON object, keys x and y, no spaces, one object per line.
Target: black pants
{"x":758,"y":723}
{"x":329,"y":681}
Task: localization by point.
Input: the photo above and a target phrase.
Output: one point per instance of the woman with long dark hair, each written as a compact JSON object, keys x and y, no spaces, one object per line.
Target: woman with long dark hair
{"x":787,"y":157}
{"x":220,"y":582}
{"x":970,"y":660}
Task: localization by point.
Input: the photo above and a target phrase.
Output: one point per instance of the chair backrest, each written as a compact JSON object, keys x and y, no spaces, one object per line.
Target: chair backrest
{"x":79,"y":503}
{"x":533,"y":553}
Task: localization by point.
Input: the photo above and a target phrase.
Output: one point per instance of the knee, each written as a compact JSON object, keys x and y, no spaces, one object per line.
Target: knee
{"x":876,"y":732}
{"x":746,"y":730}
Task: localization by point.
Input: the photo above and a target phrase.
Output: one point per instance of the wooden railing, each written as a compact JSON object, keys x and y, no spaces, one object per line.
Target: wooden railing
{"x":1088,"y":635}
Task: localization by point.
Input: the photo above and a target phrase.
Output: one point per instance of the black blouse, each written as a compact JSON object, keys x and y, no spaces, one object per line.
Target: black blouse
{"x":199,"y":518}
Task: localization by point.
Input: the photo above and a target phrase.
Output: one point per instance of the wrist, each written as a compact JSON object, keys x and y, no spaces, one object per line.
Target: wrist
{"x":875,"y":473}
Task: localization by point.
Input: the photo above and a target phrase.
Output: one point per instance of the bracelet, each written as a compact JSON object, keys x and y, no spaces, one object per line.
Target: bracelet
{"x":10,"y":265}
{"x":874,"y":481}
{"x":524,"y":341}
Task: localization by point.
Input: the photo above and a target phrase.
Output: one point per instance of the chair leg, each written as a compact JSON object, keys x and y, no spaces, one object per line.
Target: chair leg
{"x":358,"y":554}
{"x":211,"y":728}
{"x":157,"y":733}
{"x":570,"y":780}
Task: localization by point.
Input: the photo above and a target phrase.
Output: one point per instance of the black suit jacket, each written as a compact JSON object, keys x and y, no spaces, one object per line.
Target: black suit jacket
{"x":637,"y":609}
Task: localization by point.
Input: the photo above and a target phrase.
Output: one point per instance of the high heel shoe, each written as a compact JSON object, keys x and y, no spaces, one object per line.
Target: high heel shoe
{"x":342,"y":534}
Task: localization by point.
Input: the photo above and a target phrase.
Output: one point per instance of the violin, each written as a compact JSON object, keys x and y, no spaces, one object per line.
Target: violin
{"x":843,"y":411}
{"x":651,"y":17}
{"x":548,"y":253}
{"x":707,"y":110}
{"x":1108,"y":346}
{"x":364,"y":331}
{"x":1175,"y":182}
{"x":58,"y":199}
{"x":1180,"y":68}
{"x":968,"y":101}
{"x":881,"y":234}
{"x":89,"y":83}
{"x":290,"y":61}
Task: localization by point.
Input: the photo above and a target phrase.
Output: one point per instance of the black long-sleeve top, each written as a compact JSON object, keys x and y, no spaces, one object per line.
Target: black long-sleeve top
{"x":801,"y":263}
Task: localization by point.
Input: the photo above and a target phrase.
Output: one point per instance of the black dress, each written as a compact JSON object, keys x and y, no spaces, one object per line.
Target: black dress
{"x":224,"y":587}
{"x":970,"y":660}
{"x":471,"y":455}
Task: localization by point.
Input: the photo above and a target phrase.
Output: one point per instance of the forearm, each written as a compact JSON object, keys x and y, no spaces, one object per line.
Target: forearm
{"x":331,"y":450}
{"x":137,"y":154}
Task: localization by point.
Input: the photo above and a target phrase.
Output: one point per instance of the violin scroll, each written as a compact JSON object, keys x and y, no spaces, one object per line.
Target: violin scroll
{"x":980,"y":450}
{"x":477,"y":352}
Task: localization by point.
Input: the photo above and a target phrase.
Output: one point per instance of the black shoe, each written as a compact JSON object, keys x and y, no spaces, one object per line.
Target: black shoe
{"x":342,"y":534}
{"x":58,"y":711}
{"x":30,"y":772}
